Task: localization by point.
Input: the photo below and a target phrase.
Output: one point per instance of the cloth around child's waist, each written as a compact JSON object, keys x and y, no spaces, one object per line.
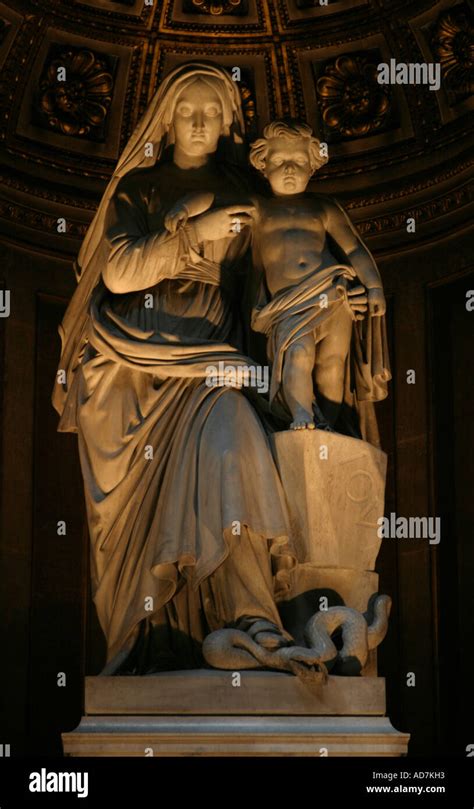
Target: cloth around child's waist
{"x":303,"y":296}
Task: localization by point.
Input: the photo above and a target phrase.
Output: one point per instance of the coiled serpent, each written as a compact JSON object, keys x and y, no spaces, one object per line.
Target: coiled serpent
{"x":235,"y":649}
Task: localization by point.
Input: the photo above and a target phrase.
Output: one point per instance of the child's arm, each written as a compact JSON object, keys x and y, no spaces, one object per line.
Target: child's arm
{"x":341,"y":229}
{"x":188,"y":206}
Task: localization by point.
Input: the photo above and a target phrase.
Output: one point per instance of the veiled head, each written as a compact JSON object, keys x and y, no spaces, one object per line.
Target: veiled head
{"x":198,"y":114}
{"x":189,"y":82}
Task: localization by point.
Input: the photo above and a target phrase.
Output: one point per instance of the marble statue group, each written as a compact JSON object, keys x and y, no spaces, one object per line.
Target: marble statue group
{"x":206,"y":249}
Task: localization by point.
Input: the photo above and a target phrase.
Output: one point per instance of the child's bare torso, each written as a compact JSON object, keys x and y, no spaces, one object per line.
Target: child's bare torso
{"x":292,"y":240}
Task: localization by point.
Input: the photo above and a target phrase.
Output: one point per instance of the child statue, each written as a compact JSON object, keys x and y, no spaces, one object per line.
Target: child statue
{"x":313,"y":264}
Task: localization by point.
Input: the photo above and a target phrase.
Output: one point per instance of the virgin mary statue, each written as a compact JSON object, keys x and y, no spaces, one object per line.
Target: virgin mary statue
{"x":187,"y":518}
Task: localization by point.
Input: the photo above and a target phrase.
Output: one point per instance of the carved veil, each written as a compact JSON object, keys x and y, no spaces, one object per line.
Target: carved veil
{"x":152,"y":129}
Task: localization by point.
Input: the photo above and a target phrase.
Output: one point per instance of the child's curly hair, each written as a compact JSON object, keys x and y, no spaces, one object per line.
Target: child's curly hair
{"x":292,"y":130}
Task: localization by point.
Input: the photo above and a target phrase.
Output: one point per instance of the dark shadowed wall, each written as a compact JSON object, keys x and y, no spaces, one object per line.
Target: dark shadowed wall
{"x":396,"y":153}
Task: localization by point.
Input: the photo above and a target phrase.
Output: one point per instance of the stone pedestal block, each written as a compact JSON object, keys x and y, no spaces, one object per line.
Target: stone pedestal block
{"x":204,"y":713}
{"x":340,"y":584}
{"x":335,"y":492}
{"x":214,"y":692}
{"x":335,"y":487}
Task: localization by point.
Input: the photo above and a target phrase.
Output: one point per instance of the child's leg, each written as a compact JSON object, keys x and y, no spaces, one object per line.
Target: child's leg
{"x":298,"y":382}
{"x":331,"y":357}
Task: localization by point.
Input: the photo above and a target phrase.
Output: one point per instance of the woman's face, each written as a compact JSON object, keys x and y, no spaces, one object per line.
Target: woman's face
{"x":197,"y":119}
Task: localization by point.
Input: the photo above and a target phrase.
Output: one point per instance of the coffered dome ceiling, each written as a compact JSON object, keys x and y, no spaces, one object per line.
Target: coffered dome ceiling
{"x":395,"y":150}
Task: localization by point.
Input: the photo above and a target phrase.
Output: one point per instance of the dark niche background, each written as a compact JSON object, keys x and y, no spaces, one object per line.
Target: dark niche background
{"x":410,"y":158}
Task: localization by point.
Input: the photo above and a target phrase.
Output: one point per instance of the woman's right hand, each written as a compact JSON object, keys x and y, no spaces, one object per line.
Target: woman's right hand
{"x":222,"y":222}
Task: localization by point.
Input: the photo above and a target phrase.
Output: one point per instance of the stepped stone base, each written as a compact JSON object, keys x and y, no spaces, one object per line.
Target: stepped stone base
{"x":235,"y":736}
{"x":202,"y":713}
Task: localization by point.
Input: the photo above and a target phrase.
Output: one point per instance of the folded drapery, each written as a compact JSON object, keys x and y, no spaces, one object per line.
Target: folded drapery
{"x":300,"y":310}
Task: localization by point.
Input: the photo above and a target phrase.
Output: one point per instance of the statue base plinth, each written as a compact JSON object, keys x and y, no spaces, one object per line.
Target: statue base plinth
{"x":335,"y":492}
{"x":206,"y":713}
{"x":235,"y":736}
{"x":335,"y":489}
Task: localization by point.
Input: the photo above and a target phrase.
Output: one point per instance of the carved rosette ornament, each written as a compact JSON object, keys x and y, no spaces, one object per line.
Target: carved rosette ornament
{"x":453,"y":46}
{"x":76,"y":93}
{"x":216,"y":9}
{"x":351,"y":100}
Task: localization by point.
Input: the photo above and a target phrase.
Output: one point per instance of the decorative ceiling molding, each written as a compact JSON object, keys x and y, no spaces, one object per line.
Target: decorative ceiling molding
{"x":447,"y":37}
{"x":60,"y":140}
{"x":75,"y":92}
{"x":297,"y":12}
{"x":225,"y":18}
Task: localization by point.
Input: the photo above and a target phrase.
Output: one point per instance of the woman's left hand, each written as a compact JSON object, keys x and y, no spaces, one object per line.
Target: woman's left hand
{"x":176,"y":217}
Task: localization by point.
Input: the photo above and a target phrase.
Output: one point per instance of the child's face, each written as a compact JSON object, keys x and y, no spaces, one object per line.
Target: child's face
{"x":288,"y":165}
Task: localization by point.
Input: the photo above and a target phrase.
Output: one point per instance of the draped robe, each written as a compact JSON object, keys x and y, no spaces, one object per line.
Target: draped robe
{"x":175,"y":472}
